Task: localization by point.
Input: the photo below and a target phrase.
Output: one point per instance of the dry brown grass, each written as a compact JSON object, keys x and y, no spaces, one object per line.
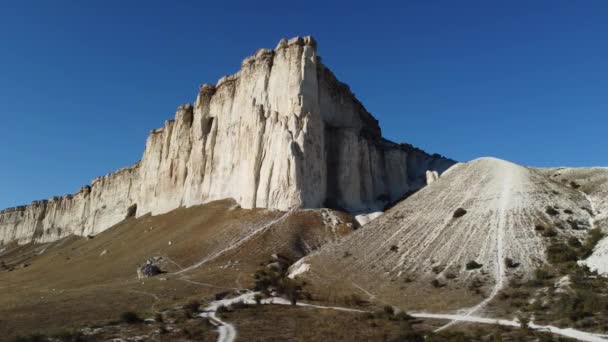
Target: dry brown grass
{"x":71,"y":284}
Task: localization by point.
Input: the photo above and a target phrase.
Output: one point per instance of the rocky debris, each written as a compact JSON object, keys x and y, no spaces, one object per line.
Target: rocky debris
{"x":301,"y":140}
{"x":150,"y":268}
{"x":363,"y":219}
{"x":431,"y":176}
{"x":563,"y":285}
{"x":230,"y":264}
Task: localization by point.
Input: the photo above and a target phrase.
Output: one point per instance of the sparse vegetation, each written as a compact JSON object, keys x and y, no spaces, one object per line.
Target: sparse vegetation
{"x":394,"y":248}
{"x":563,"y":293}
{"x":275,"y":279}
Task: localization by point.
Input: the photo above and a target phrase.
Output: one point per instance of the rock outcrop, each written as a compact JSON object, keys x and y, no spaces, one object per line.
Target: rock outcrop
{"x":281,"y":133}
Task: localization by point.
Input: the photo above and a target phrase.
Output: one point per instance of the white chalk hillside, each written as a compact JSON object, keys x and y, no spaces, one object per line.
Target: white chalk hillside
{"x":504,"y":203}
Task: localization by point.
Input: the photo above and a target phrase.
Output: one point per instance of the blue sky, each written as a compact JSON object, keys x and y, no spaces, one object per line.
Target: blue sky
{"x":83,"y":82}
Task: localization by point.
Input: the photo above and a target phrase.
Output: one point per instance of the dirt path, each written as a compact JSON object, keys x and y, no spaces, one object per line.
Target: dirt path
{"x":228,"y":333}
{"x":508,"y":175}
{"x":567,"y":332}
{"x":234,"y":245}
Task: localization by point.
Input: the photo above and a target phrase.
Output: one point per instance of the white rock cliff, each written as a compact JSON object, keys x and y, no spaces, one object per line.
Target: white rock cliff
{"x":281,"y":133}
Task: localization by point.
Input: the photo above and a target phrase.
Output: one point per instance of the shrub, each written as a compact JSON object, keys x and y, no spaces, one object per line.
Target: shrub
{"x":560,"y":253}
{"x":551,"y":211}
{"x":510,"y":263}
{"x":389,"y":310}
{"x":574,"y":185}
{"x":258,"y":298}
{"x":473,"y":265}
{"x":574,"y":242}
{"x":539,"y":228}
{"x":460,"y":212}
{"x":221,"y":310}
{"x":436,"y":283}
{"x":394,"y":248}
{"x":403,"y":316}
{"x":595,"y":235}
{"x":549,"y":232}
{"x":192,"y":306}
{"x":568,"y":211}
{"x":131,"y":211}
{"x":130,"y":317}
{"x":437,"y":269}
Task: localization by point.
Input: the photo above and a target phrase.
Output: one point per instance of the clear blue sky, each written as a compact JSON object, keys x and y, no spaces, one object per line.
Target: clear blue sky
{"x":81,"y":84}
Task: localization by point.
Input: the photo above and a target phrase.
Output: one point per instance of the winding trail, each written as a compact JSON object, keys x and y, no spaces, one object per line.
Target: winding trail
{"x":235,"y":245}
{"x":508,"y":173}
{"x":227,"y":331}
{"x":567,"y":332}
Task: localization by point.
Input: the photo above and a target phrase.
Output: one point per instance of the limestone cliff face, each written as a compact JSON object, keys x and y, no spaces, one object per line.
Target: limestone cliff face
{"x":281,"y":133}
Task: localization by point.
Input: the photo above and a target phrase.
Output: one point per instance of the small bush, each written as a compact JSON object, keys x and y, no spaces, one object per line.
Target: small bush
{"x":575,"y":185}
{"x":549,"y":232}
{"x":473,"y":265}
{"x":568,"y":211}
{"x":221,"y":310}
{"x":130,"y":317}
{"x":574,"y":242}
{"x":131,"y":211}
{"x":551,"y":211}
{"x":192,"y":306}
{"x":389,"y":310}
{"x":258,"y":298}
{"x":539,"y":228}
{"x":437,"y":269}
{"x":394,"y":248}
{"x":510,"y":263}
{"x":403,"y":316}
{"x":460,"y":212}
{"x":437,"y":284}
{"x":595,"y":235}
{"x":560,"y":253}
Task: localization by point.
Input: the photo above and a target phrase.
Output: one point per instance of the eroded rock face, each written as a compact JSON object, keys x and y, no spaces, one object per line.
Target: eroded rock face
{"x":281,"y":133}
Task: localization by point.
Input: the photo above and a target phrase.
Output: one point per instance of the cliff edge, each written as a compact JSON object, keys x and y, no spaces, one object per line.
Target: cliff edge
{"x":281,"y":133}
